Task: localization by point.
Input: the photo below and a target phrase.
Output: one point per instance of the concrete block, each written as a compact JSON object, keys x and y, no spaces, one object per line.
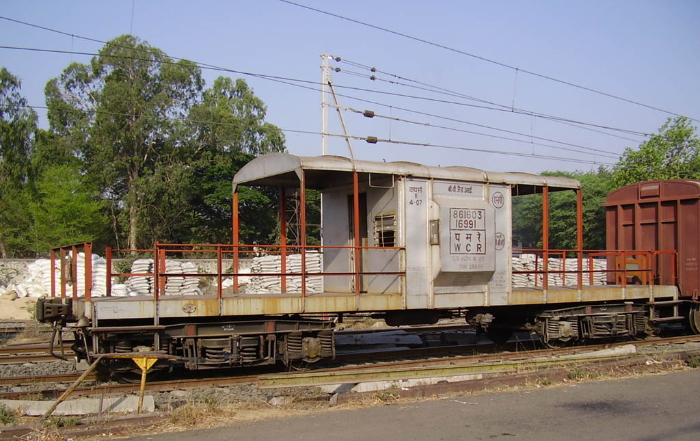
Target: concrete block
{"x":279,"y":401}
{"x":373,"y":386}
{"x":82,"y":406}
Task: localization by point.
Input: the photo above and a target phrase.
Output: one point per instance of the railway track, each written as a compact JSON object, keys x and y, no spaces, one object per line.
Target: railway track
{"x":432,"y":361}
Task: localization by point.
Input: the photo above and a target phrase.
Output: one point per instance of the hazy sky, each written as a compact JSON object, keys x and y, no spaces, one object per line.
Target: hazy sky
{"x":646,"y":51}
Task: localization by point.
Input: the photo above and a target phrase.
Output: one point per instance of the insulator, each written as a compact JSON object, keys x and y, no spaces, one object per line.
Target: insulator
{"x":368,"y":113}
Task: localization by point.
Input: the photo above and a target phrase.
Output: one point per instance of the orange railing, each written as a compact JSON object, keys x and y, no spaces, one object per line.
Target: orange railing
{"x":623,"y":267}
{"x":233,"y":253}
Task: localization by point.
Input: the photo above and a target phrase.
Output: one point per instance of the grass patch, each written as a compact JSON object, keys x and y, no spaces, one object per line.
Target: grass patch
{"x":195,"y":410}
{"x":8,"y":417}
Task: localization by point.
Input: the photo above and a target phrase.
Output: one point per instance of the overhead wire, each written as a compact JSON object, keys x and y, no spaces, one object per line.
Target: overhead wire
{"x":437,"y":89}
{"x":485,"y":59}
{"x":380,"y":92}
{"x":273,"y":78}
{"x":291,"y":81}
{"x":286,"y":79}
{"x":605,"y":153}
{"x":373,"y":140}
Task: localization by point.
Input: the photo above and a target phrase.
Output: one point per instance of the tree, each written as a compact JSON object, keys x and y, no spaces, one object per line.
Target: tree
{"x":527,"y":214}
{"x":122,"y":115}
{"x":18,"y":125}
{"x":65,"y":211}
{"x":673,"y":153}
{"x":229,"y":129}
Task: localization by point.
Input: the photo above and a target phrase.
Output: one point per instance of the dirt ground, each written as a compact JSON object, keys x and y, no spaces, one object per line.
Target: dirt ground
{"x":18,"y":309}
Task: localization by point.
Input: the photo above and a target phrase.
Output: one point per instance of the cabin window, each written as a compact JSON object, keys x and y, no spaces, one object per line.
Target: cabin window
{"x":385,"y":230}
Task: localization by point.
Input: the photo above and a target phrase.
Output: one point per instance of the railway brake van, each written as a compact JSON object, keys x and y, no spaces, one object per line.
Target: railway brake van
{"x":400,"y":241}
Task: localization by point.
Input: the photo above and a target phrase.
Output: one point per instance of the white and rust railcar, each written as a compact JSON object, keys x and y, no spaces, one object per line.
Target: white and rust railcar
{"x":402,"y":241}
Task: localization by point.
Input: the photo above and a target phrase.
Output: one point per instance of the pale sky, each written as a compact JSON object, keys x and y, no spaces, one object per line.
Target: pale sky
{"x":645,"y":51}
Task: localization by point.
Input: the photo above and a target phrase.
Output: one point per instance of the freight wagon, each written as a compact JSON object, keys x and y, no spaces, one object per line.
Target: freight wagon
{"x":400,"y":241}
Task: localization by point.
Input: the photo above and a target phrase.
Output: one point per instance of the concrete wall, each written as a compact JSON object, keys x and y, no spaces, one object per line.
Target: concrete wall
{"x":15,"y":270}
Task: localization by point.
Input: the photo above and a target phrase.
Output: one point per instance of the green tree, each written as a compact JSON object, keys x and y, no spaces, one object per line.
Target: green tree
{"x":65,"y":211}
{"x":229,"y":129}
{"x":527,"y":214}
{"x":18,"y":125}
{"x":673,"y":153}
{"x":122,"y":116}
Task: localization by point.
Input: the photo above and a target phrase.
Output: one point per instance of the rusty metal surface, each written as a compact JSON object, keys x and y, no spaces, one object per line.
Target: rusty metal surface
{"x":659,"y":215}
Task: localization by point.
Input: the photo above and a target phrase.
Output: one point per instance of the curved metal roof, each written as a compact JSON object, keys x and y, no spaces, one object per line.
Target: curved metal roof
{"x":283,"y":169}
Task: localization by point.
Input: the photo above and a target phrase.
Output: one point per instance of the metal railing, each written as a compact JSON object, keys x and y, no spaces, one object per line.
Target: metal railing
{"x":623,"y":267}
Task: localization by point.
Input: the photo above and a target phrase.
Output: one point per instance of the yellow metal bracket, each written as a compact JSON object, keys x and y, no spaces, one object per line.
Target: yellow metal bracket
{"x":144,"y":361}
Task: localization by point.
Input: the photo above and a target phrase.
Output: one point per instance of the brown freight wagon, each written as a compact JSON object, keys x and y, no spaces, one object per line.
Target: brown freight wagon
{"x":659,"y":215}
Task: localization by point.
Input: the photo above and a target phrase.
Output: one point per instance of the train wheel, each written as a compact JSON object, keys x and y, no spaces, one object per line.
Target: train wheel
{"x":694,"y":318}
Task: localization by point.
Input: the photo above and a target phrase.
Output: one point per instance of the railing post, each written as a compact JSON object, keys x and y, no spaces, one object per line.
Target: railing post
{"x":579,"y":237}
{"x":74,"y":271}
{"x":53,"y":272}
{"x":108,"y":284}
{"x":219,"y":270}
{"x":62,"y":266}
{"x":545,"y":237}
{"x":235,"y":242}
{"x":88,"y":271}
{"x":624,"y":269}
{"x":356,"y":228}
{"x":283,"y":240}
{"x":302,"y":232}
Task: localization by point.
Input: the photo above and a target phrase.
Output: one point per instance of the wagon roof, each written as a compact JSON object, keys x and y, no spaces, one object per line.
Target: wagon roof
{"x":283,"y":169}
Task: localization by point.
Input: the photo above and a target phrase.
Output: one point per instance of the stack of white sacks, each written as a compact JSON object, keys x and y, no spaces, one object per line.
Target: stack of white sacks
{"x":273,"y":264}
{"x":526,"y":262}
{"x":137,"y":285}
{"x":181,"y":285}
{"x":38,"y":282}
{"x":174,"y":285}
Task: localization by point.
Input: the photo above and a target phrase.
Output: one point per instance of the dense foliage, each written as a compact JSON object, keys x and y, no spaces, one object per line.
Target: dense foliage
{"x":673,"y":153}
{"x":137,"y":151}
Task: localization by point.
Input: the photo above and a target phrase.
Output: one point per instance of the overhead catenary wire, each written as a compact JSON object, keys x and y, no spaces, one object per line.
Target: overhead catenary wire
{"x":276,"y":78}
{"x":374,"y":140}
{"x":591,"y":151}
{"x":485,"y":59}
{"x":441,"y":90}
{"x":270,"y":78}
{"x":292,"y":81}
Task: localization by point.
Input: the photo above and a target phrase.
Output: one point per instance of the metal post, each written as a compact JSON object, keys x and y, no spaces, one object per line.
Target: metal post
{"x":342,"y":122}
{"x":75,"y":385}
{"x":302,"y":232}
{"x":74,"y":271}
{"x":283,"y":240}
{"x":62,"y":254}
{"x":88,"y":271}
{"x":108,"y":258}
{"x":545,"y":236}
{"x":579,"y":236}
{"x":235,"y":242}
{"x":219,"y":270}
{"x":356,"y":227}
{"x":325,"y":78}
{"x":53,"y":273}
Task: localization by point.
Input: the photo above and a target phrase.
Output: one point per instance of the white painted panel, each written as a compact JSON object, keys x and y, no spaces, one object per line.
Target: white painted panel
{"x":417,"y":264}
